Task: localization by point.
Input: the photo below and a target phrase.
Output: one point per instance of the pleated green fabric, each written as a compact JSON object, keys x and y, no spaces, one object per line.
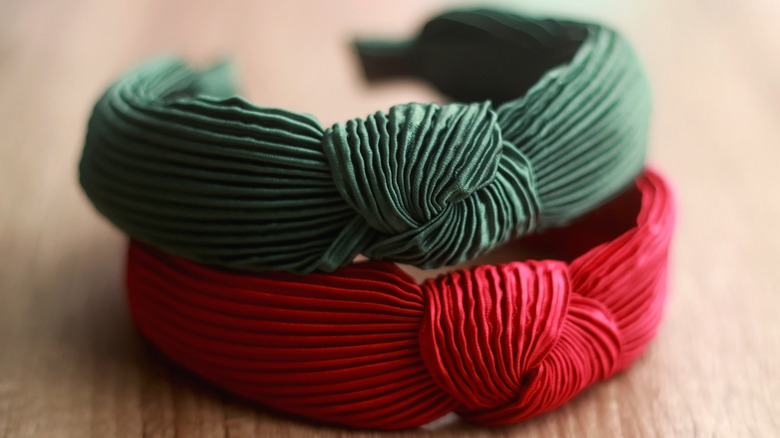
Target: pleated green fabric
{"x":549,"y":121}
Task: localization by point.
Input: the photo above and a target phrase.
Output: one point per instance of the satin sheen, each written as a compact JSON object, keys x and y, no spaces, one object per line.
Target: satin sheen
{"x":549,"y":121}
{"x":366,"y":346}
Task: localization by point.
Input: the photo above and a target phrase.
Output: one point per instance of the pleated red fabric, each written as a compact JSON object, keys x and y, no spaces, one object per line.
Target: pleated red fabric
{"x":366,"y":346}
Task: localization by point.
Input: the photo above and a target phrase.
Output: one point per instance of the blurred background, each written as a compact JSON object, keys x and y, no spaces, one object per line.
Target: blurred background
{"x":71,"y":363}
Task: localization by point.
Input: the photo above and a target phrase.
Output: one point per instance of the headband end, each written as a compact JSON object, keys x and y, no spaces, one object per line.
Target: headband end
{"x":384,"y":60}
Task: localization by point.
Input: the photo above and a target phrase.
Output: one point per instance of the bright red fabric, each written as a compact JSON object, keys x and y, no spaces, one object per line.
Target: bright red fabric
{"x":367,"y":347}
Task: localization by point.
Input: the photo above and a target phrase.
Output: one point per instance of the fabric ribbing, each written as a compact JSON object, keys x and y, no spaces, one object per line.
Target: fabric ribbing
{"x":176,"y":160}
{"x":365,"y":346}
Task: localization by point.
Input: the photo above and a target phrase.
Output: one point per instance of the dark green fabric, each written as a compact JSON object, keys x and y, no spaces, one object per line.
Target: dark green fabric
{"x":550,"y":121}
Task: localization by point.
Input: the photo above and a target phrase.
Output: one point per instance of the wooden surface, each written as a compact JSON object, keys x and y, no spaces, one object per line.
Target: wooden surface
{"x":71,"y":364}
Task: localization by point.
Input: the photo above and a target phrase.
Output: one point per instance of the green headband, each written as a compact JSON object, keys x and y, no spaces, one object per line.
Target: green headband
{"x":175,"y":159}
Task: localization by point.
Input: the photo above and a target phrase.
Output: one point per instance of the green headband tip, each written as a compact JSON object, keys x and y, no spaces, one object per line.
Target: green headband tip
{"x":220,"y":79}
{"x":382,"y":59}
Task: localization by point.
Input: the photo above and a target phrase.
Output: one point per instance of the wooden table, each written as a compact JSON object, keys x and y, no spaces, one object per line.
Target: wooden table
{"x":72,"y":365}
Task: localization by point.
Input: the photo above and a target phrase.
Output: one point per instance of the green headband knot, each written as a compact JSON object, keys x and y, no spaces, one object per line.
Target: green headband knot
{"x":424,"y":176}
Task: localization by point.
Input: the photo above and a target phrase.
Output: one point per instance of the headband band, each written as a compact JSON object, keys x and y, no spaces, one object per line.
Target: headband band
{"x":366,"y":346}
{"x":176,"y":160}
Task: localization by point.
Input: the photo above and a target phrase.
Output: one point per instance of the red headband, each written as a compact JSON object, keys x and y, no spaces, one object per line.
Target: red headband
{"x":366,"y":346}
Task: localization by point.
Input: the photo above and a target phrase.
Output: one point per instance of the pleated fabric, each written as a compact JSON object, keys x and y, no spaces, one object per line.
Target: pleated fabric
{"x":176,"y":160}
{"x":365,"y":346}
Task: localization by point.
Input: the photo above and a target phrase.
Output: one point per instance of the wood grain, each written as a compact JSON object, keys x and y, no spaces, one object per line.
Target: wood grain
{"x":71,"y":364}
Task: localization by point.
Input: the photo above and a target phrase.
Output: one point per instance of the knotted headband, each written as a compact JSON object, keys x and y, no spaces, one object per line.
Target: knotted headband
{"x":176,"y":160}
{"x":366,"y":346}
